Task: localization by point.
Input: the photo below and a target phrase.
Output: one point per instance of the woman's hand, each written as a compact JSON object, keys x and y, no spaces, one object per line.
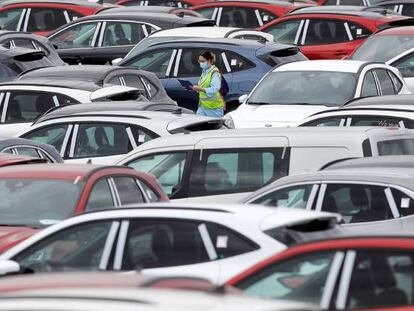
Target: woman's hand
{"x":197,"y":88}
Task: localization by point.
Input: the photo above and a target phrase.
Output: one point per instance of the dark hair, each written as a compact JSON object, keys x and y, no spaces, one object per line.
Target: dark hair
{"x":208,"y":56}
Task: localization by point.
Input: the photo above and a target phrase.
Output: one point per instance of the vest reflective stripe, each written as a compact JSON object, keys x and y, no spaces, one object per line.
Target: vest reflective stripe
{"x":215,"y":101}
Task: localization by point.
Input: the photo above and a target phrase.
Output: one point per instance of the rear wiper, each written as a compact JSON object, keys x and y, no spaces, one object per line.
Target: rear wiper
{"x":259,"y":103}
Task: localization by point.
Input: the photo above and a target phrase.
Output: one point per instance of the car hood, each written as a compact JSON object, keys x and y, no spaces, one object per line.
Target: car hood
{"x":272,"y":115}
{"x":10,"y":235}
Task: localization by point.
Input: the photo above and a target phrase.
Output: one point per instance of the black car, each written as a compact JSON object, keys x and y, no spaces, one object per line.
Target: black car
{"x":104,"y":75}
{"x":101,"y":38}
{"x":403,"y":7}
{"x":17,"y":60}
{"x":12,"y":39}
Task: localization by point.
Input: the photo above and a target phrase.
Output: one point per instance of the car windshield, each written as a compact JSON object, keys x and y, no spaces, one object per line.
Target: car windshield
{"x":36,"y":203}
{"x":383,"y":48}
{"x":305,"y":88}
{"x":396,"y":147}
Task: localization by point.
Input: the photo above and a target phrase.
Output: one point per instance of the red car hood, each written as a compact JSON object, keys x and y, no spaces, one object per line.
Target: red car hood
{"x":10,"y":236}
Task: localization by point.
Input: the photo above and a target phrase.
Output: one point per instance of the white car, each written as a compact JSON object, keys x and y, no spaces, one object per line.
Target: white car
{"x":294,"y":91}
{"x":22,"y":101}
{"x":101,"y":133}
{"x":214,"y":242}
{"x":389,"y":111}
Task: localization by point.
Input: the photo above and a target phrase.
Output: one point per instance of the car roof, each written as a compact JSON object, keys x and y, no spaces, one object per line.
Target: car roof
{"x":387,"y":101}
{"x":67,"y":2}
{"x":382,"y":162}
{"x":353,"y":10}
{"x":402,"y":30}
{"x":50,"y":82}
{"x":296,"y":135}
{"x":212,"y":31}
{"x":11,"y":142}
{"x":140,"y":8}
{"x":273,"y":2}
{"x":64,"y":171}
{"x":394,"y":2}
{"x":351,"y":66}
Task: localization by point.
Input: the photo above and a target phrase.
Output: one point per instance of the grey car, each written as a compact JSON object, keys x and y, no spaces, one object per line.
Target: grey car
{"x":371,"y":194}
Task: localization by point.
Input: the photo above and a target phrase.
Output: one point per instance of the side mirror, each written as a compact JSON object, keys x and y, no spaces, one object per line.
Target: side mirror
{"x":243,"y":98}
{"x":116,"y":61}
{"x":9,"y":267}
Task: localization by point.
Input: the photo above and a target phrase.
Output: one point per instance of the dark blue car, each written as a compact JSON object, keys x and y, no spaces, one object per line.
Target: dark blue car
{"x":243,"y":63}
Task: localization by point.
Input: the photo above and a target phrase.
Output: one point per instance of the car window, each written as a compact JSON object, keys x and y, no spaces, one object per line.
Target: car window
{"x":396,"y":80}
{"x":22,"y":43}
{"x":332,"y":121}
{"x":325,"y":31}
{"x":168,"y":168}
{"x":97,"y":140}
{"x":151,"y":194}
{"x":122,"y":33}
{"x":100,"y":197}
{"x":79,"y":247}
{"x":45,"y":19}
{"x":52,"y":135}
{"x":404,"y":202}
{"x":128,"y":190}
{"x":189,"y":67}
{"x":240,"y":170}
{"x":163,"y":243}
{"x":155,"y":61}
{"x":381,"y":278}
{"x":369,"y":87}
{"x":396,"y":147}
{"x":375,"y":121}
{"x":386,"y":84}
{"x":228,"y":243}
{"x":265,"y":16}
{"x":238,"y":17}
{"x":152,"y":89}
{"x":357,"y":31}
{"x":79,"y":35}
{"x":128,"y":80}
{"x":405,"y":65}
{"x":301,"y":278}
{"x":285,"y":32}
{"x":294,"y":197}
{"x":237,"y":62}
{"x":408,"y":9}
{"x":26,"y":106}
{"x":206,"y":12}
{"x":66,"y":100}
{"x":27,"y":151}
{"x":357,"y":202}
{"x":10,"y":19}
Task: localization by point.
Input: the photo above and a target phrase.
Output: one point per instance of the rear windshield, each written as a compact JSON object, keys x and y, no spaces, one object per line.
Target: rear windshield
{"x":396,"y":147}
{"x":36,"y":203}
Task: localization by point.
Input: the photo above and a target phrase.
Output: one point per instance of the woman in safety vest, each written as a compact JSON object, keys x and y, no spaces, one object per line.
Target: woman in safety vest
{"x":211,"y":102}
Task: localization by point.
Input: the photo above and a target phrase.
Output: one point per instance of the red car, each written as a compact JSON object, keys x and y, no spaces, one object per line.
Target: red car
{"x":168,"y":3}
{"x":7,"y":159}
{"x":246,"y":14}
{"x":349,"y":2}
{"x":43,"y":16}
{"x":330,"y":32}
{"x":364,"y":273}
{"x":34,"y":196}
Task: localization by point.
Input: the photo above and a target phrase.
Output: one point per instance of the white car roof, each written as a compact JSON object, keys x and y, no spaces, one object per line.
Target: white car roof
{"x":146,"y":299}
{"x":351,"y":66}
{"x":203,"y":32}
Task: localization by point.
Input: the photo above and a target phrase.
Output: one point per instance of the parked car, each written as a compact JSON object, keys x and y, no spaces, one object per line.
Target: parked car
{"x":11,"y":39}
{"x":20,"y":147}
{"x":330,"y":32}
{"x":131,"y":6}
{"x":207,"y":241}
{"x":17,"y":60}
{"x":56,"y":192}
{"x":369,"y":198}
{"x":96,"y":298}
{"x":105,"y":135}
{"x":219,"y":166}
{"x":24,"y":101}
{"x":214,"y":32}
{"x":404,"y":7}
{"x":103,"y":37}
{"x":164,"y":3}
{"x":102,"y":76}
{"x":43,"y":16}
{"x":394,"y":46}
{"x":314,"y":86}
{"x":246,"y":14}
{"x":373,"y":273}
{"x":390,"y":111}
{"x":242,"y":62}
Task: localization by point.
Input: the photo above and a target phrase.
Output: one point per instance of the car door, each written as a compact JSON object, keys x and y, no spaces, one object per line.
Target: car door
{"x":166,"y":247}
{"x":86,"y":247}
{"x":117,"y":38}
{"x":331,"y":38}
{"x":375,"y":278}
{"x":75,"y":43}
{"x":364,"y":207}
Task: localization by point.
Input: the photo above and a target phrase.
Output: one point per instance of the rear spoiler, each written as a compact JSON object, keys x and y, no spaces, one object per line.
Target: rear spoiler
{"x":207,"y":22}
{"x":397,"y":23}
{"x":24,"y":55}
